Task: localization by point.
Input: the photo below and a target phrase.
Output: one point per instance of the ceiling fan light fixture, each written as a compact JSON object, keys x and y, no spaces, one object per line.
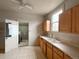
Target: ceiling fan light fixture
{"x":23,"y":5}
{"x":26,"y":6}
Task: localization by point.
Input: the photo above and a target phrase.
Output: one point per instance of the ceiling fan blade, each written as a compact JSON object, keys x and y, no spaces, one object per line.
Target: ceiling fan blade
{"x":22,"y":4}
{"x":28,"y":5}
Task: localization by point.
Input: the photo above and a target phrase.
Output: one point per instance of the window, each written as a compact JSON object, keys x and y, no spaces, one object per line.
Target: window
{"x":55,"y":21}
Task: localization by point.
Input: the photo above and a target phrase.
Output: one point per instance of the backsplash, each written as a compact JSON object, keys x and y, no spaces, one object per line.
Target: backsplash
{"x":70,"y":39}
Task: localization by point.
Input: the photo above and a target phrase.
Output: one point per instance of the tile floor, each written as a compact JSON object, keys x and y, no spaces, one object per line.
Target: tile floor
{"x":28,"y":52}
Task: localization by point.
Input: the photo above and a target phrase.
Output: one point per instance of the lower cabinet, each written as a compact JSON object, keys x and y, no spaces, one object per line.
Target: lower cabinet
{"x":45,"y":48}
{"x":49,"y":51}
{"x":41,"y":43}
{"x":52,"y":52}
{"x":56,"y":56}
{"x":67,"y":57}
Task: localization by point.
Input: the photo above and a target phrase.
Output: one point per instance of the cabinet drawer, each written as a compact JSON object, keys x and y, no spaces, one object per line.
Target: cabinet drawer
{"x":49,"y":45}
{"x":59,"y":52}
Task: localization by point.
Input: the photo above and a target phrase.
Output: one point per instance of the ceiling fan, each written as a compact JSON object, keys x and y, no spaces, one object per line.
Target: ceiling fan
{"x":22,"y":4}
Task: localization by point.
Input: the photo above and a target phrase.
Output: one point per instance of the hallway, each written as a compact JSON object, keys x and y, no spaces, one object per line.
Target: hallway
{"x":23,"y":43}
{"x":29,"y":52}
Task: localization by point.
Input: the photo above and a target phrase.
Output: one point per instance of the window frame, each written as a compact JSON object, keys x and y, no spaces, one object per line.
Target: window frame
{"x":52,"y":23}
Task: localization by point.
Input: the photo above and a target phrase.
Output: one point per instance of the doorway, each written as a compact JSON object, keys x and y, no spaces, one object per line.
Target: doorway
{"x":23,"y":34}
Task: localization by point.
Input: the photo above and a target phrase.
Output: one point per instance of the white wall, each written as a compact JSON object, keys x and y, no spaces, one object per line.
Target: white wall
{"x":61,"y":6}
{"x":70,"y":3}
{"x":12,"y":42}
{"x":33,"y":20}
{"x":33,"y":32}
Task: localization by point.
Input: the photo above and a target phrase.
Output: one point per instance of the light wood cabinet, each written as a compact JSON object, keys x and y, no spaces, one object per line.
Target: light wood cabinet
{"x":57,"y":54}
{"x":67,"y":57}
{"x":49,"y":51}
{"x":52,"y":52}
{"x":41,"y":43}
{"x":65,"y":22}
{"x":46,"y":25}
{"x":75,"y":19}
{"x":43,"y":46}
{"x":69,"y":21}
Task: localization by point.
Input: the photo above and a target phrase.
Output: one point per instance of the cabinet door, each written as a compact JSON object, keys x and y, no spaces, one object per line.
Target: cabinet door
{"x":75,"y":19}
{"x":57,"y":53}
{"x":45,"y":48}
{"x":65,"y":21}
{"x":46,"y":25}
{"x":41,"y":43}
{"x":49,"y":51}
{"x":56,"y":56}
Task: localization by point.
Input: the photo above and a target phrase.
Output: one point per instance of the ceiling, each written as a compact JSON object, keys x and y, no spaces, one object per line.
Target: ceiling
{"x":40,"y":7}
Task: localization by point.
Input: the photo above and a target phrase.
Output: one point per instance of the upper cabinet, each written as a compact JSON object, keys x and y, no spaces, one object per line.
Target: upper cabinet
{"x":75,"y":19}
{"x":65,"y":21}
{"x":46,"y":26}
{"x":69,"y":20}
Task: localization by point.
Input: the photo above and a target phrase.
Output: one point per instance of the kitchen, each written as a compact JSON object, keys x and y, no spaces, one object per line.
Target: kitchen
{"x":56,"y":32}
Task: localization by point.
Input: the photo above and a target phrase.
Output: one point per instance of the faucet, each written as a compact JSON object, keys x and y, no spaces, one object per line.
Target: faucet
{"x":50,"y":35}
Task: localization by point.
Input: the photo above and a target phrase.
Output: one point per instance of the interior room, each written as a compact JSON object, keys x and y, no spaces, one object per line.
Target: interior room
{"x":39,"y":29}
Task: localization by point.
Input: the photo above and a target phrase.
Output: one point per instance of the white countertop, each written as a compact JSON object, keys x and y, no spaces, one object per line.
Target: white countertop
{"x":73,"y":52}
